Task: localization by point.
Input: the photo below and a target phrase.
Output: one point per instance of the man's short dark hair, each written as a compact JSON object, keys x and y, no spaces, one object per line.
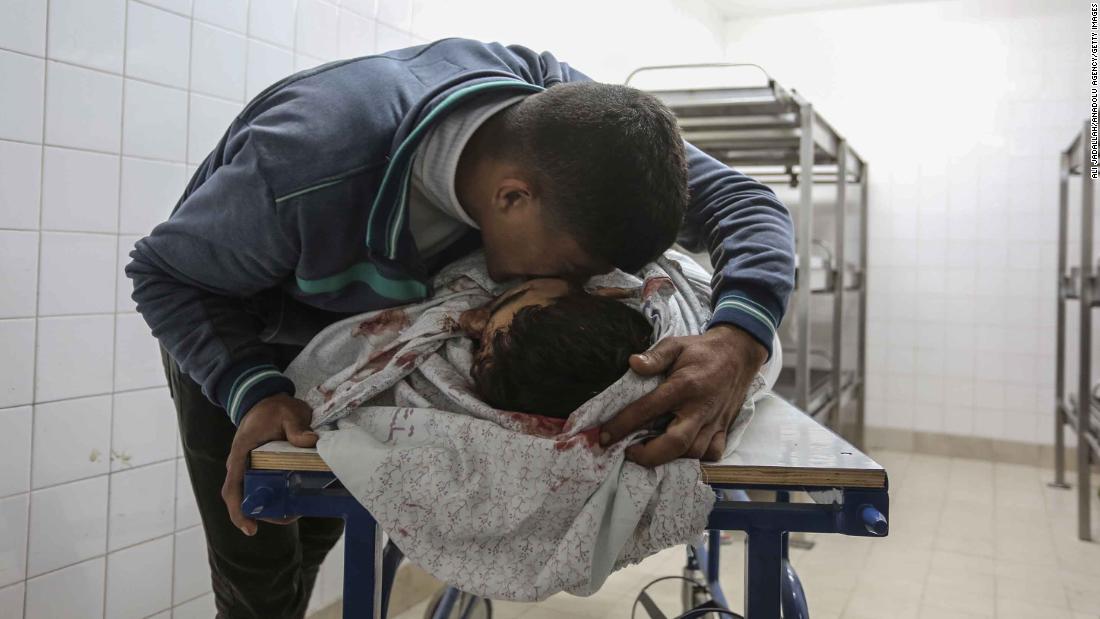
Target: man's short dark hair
{"x":608,"y":161}
{"x":555,"y":357}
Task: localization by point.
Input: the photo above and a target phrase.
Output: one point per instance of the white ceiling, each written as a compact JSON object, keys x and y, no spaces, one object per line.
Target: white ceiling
{"x":759,"y":8}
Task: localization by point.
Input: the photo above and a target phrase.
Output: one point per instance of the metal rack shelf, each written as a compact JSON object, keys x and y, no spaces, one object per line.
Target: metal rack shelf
{"x":1079,"y":284}
{"x":775,"y":136}
{"x":821,"y":388}
{"x":1071,"y":410}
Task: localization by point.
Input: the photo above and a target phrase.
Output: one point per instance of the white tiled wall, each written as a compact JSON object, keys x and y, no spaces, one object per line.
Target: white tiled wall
{"x":961,"y":109}
{"x":106,"y":108}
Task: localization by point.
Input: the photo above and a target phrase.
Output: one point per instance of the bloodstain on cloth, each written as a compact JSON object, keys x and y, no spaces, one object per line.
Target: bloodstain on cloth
{"x":536,"y":425}
{"x":408,"y":360}
{"x":659,"y":285}
{"x":612,"y":292}
{"x":387,"y":321}
{"x":588,"y":439}
{"x":375,"y":362}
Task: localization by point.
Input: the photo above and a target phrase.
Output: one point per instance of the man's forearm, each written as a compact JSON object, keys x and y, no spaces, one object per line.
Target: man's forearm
{"x":750,"y":238}
{"x":212,"y":338}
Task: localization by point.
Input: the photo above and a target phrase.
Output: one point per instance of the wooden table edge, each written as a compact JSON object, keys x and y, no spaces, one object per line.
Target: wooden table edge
{"x":749,"y":475}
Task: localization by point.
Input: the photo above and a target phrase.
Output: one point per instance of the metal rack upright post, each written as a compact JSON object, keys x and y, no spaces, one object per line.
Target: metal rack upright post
{"x":1079,"y":408}
{"x":779,"y":132}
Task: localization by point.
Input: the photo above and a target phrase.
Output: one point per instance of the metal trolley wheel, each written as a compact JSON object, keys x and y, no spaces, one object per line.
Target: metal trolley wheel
{"x":695,"y":598}
{"x":465,"y":606}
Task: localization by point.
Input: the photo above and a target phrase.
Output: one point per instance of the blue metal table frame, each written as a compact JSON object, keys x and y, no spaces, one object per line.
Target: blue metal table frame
{"x":772,"y":589}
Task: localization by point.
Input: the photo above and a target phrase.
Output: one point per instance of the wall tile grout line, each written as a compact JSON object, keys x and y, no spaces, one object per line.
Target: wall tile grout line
{"x":104,"y":556}
{"x":59,"y":231}
{"x":114,"y":322}
{"x":123,"y":75}
{"x":37,"y":302}
{"x":187,"y":601}
{"x":89,"y":395}
{"x":21,"y":53}
{"x":157,"y":8}
{"x":179,"y":437}
{"x":161,"y":8}
{"x":219,"y":27}
{"x":58,"y":569}
{"x":104,"y":152}
{"x":87,"y":477}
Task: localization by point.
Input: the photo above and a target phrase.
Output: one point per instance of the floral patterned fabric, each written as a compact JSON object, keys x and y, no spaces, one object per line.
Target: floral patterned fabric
{"x":501,"y":504}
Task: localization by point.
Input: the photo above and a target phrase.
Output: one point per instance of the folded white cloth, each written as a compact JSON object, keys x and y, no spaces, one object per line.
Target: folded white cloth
{"x":501,"y":504}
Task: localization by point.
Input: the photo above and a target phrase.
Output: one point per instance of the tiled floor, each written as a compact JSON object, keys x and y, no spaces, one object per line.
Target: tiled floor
{"x":968,"y":539}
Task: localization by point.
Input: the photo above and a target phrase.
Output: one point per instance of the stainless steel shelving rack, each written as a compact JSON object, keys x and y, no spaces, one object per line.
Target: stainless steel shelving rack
{"x":777,"y":137}
{"x":1077,"y":404}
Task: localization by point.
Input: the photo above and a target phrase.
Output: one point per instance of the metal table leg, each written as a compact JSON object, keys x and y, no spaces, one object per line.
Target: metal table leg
{"x":771,"y":584}
{"x":282,"y":494}
{"x":763,"y":570}
{"x":362,"y":562}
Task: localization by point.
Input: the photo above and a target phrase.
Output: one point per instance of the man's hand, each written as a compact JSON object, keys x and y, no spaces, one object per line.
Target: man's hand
{"x":708,"y":377}
{"x":274,"y":418}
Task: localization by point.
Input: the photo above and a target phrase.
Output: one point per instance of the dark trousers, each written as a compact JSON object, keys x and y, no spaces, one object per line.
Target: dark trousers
{"x":271,"y":574}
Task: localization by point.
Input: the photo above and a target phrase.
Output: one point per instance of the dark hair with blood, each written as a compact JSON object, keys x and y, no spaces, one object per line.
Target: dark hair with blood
{"x":553,"y":358}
